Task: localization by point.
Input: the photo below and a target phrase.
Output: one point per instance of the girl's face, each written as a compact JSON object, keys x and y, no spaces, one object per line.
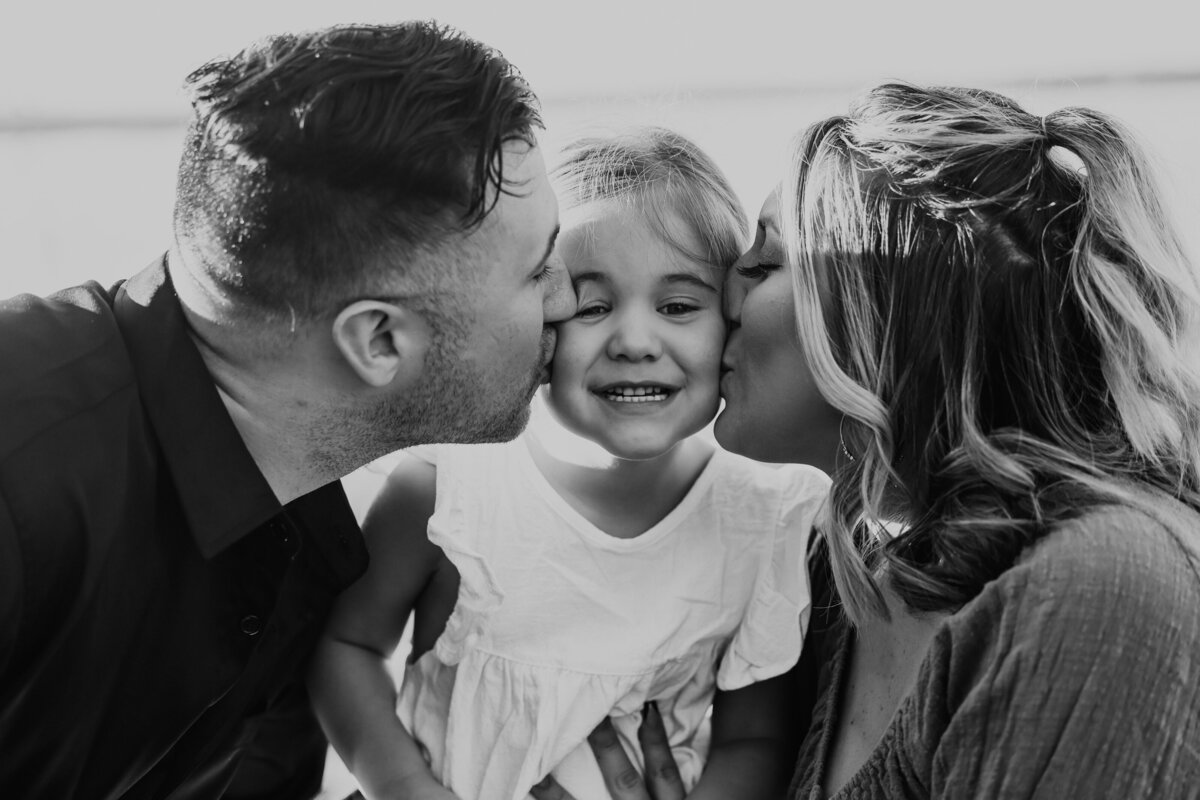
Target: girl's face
{"x":636,"y":368}
{"x":773,"y":409}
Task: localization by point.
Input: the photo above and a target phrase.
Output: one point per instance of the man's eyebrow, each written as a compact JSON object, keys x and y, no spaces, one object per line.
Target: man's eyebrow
{"x":549,"y":248}
{"x":689,"y":278}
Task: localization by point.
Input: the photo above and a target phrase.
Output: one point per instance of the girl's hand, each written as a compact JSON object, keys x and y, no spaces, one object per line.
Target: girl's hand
{"x":661,"y":781}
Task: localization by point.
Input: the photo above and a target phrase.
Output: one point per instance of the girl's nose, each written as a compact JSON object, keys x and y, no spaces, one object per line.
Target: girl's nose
{"x":634,"y":339}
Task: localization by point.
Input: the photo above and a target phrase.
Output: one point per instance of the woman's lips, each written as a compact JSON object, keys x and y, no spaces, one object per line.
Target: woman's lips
{"x":725,"y":381}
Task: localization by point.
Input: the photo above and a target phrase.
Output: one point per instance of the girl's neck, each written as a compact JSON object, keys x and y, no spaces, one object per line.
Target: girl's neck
{"x":622,"y":497}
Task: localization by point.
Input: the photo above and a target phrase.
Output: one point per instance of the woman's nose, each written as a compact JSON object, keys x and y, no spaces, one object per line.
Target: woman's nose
{"x":734,"y":294}
{"x":634,"y":339}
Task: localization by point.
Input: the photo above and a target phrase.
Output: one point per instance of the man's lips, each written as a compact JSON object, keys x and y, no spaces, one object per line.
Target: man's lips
{"x":549,"y":342}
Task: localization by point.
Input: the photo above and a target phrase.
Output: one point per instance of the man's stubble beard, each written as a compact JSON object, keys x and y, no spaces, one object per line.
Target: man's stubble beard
{"x":454,"y":403}
{"x":458,"y":403}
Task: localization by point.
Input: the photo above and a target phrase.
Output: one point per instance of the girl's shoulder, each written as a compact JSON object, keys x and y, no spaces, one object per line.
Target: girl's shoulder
{"x":454,"y":455}
{"x":737,"y":475}
{"x":486,"y":468}
{"x":768,"y":507}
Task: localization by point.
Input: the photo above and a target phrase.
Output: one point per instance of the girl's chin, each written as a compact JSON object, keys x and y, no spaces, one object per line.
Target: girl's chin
{"x":639,"y":453}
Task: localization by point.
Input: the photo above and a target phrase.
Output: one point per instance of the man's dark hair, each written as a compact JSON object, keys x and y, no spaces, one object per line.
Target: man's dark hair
{"x":317,"y":163}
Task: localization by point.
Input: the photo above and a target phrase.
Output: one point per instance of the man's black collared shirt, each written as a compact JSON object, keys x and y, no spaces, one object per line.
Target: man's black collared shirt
{"x":157,"y":604}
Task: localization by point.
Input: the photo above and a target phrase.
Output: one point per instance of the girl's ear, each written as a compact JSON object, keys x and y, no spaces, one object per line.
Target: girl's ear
{"x":384,"y":343}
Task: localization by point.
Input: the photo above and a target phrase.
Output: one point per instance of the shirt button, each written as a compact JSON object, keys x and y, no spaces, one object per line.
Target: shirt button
{"x":251,"y":625}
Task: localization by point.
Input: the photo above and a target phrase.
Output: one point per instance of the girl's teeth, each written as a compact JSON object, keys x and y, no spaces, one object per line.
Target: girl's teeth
{"x":638,"y":394}
{"x":643,"y":398}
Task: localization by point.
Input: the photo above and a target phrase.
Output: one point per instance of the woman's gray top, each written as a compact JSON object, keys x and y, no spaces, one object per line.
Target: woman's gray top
{"x":1075,"y":674}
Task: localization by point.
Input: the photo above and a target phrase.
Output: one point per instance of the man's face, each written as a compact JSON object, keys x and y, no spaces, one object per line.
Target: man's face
{"x":495,"y":340}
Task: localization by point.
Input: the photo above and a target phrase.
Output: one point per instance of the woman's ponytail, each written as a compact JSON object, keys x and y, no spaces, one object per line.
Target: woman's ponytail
{"x":1136,"y":287}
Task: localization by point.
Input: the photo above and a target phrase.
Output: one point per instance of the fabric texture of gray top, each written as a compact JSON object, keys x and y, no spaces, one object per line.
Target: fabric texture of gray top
{"x":1076,"y":673}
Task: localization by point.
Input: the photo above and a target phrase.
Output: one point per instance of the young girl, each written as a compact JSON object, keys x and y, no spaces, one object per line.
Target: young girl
{"x":553,"y":591}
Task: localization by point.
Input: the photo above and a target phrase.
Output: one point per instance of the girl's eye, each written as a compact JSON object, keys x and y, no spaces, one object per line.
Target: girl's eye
{"x":758,"y":271}
{"x":544,"y":272}
{"x":594,"y":310}
{"x":677,"y":309}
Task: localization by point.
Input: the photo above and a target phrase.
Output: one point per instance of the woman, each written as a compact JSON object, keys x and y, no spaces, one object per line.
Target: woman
{"x":993,"y":312}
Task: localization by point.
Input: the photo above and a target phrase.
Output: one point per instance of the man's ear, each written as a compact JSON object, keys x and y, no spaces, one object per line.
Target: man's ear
{"x":382,"y":342}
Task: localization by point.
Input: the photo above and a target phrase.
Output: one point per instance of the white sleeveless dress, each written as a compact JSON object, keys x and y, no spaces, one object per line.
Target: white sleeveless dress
{"x":558,"y":624}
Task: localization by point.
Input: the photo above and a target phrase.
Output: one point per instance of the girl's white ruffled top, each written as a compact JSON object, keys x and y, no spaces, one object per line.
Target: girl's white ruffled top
{"x":559,"y":624}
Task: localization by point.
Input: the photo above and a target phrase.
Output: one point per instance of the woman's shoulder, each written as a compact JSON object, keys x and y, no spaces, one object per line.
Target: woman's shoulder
{"x":1091,"y":635}
{"x":1117,"y":574}
{"x":1118,"y":554}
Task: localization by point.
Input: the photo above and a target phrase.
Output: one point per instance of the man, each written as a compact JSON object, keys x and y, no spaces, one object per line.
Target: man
{"x":362,"y":261}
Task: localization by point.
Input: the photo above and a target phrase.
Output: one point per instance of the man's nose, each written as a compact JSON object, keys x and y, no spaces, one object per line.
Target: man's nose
{"x":559,"y":302}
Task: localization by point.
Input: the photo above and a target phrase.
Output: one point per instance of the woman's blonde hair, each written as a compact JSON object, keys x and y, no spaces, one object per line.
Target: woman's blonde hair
{"x":1000,"y":307}
{"x":663,"y":175}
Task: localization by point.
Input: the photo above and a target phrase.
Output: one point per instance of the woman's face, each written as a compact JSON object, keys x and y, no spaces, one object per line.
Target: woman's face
{"x":773,"y":410}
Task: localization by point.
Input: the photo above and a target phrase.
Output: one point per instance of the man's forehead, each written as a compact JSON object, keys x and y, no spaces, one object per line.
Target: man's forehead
{"x":524,"y":218}
{"x":526,"y":191}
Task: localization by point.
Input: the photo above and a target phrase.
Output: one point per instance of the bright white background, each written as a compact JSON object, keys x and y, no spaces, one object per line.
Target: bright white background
{"x":91,"y":114}
{"x":128,"y":56}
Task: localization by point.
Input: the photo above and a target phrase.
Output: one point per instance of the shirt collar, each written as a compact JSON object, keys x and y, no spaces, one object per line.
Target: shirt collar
{"x":222,"y":492}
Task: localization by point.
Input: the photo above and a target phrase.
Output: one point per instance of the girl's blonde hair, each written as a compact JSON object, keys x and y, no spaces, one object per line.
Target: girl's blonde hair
{"x":660,"y":173}
{"x":999,"y":305}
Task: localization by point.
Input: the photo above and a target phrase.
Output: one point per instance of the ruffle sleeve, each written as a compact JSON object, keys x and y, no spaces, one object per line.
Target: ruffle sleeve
{"x":767,"y":642}
{"x":458,"y":529}
{"x":423,"y":452}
